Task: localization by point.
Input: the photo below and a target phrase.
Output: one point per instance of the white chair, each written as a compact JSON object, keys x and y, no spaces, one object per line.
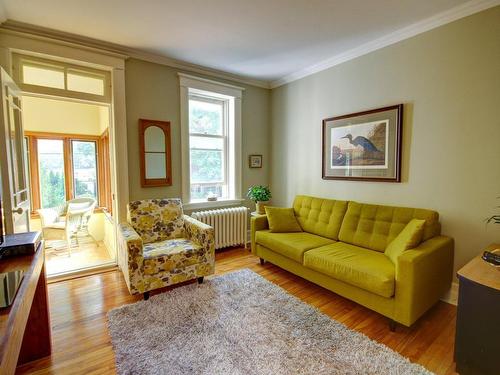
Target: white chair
{"x":68,"y":220}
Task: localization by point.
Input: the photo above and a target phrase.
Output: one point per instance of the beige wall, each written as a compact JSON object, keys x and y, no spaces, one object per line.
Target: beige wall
{"x":152,"y":92}
{"x":449,"y":80}
{"x":60,"y":116}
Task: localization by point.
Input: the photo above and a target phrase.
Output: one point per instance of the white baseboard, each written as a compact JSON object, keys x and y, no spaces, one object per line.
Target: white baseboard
{"x":452,"y":295}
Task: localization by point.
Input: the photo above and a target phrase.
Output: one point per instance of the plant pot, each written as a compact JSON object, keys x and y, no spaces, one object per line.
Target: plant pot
{"x":260,"y":207}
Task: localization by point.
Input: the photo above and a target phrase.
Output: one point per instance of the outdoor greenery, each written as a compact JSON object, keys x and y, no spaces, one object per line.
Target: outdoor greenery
{"x":206,"y":166}
{"x":52,"y":186}
{"x":52,"y":191}
{"x":259,"y":193}
{"x":205,"y":118}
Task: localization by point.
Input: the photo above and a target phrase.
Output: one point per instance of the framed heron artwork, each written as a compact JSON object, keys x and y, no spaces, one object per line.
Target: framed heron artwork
{"x":364,"y":146}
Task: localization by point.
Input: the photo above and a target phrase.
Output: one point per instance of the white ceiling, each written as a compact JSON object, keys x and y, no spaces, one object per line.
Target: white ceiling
{"x":260,"y":39}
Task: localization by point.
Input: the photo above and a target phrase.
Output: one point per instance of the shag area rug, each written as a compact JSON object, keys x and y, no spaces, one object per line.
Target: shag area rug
{"x":240,"y":323}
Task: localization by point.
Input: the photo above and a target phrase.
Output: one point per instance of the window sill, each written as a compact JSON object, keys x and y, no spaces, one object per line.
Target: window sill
{"x":193,"y":205}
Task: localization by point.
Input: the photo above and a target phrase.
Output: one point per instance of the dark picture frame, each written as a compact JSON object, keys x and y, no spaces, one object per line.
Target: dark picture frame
{"x":255,"y":161}
{"x":363,"y":146}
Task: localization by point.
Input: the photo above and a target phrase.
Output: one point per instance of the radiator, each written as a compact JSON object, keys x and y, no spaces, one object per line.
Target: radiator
{"x":230,"y":225}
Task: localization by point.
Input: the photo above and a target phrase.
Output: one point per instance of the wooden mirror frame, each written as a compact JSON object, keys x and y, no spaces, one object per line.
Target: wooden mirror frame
{"x":165,"y":126}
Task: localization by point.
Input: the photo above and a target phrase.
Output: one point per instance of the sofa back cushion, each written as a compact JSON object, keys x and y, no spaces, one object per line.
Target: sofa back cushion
{"x":319,"y":216}
{"x":156,"y":219}
{"x":374,"y":227}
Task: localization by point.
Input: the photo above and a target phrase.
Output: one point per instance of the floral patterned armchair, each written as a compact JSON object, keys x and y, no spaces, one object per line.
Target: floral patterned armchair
{"x":160,"y":246}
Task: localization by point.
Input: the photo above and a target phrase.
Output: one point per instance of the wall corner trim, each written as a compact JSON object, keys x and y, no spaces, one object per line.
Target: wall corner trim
{"x":440,"y":19}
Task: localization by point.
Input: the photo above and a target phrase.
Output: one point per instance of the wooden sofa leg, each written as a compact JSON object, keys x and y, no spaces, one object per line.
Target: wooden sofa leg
{"x":146,"y":295}
{"x":392,"y":325}
{"x":200,"y":280}
{"x":262,"y":261}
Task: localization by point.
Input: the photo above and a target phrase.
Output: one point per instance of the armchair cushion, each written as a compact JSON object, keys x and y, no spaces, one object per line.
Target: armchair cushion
{"x":157,"y":219}
{"x":170,"y":255}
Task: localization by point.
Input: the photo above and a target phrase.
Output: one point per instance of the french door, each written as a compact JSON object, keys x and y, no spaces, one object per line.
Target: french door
{"x":15,"y":192}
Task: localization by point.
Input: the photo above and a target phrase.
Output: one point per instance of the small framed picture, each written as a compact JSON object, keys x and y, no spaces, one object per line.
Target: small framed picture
{"x":255,"y":161}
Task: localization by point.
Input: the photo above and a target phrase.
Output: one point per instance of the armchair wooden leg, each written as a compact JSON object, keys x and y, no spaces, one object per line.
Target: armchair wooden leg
{"x":262,"y":261}
{"x":392,"y":325}
{"x":200,"y":280}
{"x":146,"y":296}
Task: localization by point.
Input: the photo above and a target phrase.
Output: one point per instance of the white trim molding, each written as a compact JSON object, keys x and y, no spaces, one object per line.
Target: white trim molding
{"x":440,"y":19}
{"x":42,"y":33}
{"x":452,"y":295}
{"x":38,"y":32}
{"x":191,"y":84}
{"x":214,"y":204}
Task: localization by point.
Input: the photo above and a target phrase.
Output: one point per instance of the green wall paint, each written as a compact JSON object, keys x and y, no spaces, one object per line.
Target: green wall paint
{"x":449,"y":80}
{"x":152,"y":92}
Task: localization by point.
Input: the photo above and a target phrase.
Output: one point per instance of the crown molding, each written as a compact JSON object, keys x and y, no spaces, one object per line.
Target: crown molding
{"x":440,"y":19}
{"x":38,"y":32}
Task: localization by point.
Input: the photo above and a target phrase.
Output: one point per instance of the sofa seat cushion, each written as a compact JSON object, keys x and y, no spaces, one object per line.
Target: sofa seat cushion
{"x":170,"y":255}
{"x":366,"y":269}
{"x":291,"y":245}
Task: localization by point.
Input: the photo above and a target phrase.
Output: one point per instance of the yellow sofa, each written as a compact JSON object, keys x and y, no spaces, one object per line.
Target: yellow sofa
{"x":342,"y":248}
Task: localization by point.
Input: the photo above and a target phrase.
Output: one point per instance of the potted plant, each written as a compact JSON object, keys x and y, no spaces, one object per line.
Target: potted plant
{"x":260,"y":195}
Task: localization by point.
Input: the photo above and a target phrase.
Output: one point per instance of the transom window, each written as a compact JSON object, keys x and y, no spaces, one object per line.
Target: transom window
{"x":52,"y":77}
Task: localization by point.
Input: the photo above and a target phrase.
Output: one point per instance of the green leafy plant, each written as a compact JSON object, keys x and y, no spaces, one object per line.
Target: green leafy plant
{"x":494,"y":218}
{"x":259,"y":193}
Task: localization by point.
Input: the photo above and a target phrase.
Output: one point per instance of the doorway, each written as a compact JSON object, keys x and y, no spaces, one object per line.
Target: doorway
{"x":67,"y":144}
{"x":66,"y":134}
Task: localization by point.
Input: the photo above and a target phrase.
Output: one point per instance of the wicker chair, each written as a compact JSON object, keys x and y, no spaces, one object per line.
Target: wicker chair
{"x":160,"y":246}
{"x":66,"y":221}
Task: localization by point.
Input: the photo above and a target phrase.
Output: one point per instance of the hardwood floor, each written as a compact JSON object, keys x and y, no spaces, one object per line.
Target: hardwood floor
{"x":85,"y":255}
{"x":81,"y":344}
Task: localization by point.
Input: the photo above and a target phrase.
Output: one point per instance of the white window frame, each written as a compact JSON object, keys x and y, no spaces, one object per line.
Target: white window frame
{"x":231,"y":95}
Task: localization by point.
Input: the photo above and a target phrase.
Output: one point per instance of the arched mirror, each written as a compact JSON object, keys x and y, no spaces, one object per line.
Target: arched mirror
{"x":154,"y":138}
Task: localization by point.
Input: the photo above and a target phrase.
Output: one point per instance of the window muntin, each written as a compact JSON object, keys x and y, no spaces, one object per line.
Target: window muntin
{"x":208,"y":154}
{"x":84,"y":158}
{"x":51,"y":172}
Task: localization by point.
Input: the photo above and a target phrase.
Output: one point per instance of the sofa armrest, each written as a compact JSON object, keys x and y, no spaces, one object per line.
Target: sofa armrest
{"x":131,"y":243}
{"x":257,"y":223}
{"x":423,"y":275}
{"x":200,"y":233}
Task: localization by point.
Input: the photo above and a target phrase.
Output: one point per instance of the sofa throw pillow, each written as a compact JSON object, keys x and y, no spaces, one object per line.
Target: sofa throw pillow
{"x":408,"y":238}
{"x":282,"y":220}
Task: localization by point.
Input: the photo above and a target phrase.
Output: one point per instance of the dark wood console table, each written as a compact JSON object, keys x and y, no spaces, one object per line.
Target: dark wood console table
{"x":478,"y":318}
{"x":25,"y":325}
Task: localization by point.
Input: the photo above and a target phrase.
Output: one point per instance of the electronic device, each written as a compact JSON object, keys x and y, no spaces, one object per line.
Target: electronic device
{"x":491,"y":258}
{"x":21,"y":243}
{"x":9,"y":284}
{"x":1,"y":218}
